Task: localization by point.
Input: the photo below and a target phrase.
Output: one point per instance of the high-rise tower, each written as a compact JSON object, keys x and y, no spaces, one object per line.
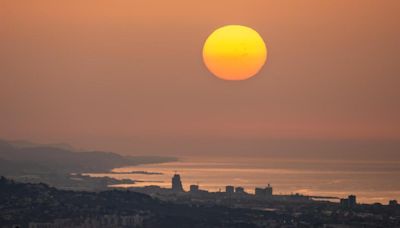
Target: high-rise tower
{"x":176,"y":183}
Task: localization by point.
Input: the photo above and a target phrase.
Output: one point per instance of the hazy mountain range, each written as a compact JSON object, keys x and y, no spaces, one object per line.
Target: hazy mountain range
{"x":63,"y":158}
{"x":53,"y":164}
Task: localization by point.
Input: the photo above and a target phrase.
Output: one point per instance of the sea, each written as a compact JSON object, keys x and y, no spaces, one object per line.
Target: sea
{"x":370,"y":181}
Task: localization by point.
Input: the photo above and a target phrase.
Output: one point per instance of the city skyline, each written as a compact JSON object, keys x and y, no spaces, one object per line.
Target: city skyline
{"x":201,"y":114}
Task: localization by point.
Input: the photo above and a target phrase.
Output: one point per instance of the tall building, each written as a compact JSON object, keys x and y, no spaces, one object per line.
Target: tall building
{"x":260,"y":192}
{"x":229,"y":189}
{"x":264,"y":192}
{"x":176,"y":183}
{"x":239,"y":190}
{"x":349,"y":202}
{"x":352,"y":201}
{"x":268,"y":190}
{"x":393,"y":203}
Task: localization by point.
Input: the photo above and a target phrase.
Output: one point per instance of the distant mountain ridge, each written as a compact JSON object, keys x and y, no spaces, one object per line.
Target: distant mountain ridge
{"x":64,"y":160}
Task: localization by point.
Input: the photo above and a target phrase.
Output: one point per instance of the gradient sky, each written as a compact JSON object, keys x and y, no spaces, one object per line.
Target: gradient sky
{"x":128,"y":76}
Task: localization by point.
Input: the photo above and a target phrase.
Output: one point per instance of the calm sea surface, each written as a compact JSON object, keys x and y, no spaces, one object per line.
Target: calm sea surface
{"x":370,"y":181}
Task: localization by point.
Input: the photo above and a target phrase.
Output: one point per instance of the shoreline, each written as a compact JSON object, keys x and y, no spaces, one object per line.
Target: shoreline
{"x":194,"y":172}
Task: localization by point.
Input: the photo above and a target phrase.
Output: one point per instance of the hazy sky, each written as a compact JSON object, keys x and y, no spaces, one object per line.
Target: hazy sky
{"x":128,"y":76}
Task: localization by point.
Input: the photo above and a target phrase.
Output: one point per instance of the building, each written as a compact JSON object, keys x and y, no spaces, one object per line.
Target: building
{"x":194,"y":188}
{"x":229,"y":189}
{"x":393,"y":203}
{"x":349,"y":202}
{"x":260,"y":192}
{"x":268,"y":190}
{"x":239,"y":190}
{"x":352,"y":201}
{"x":264,"y":192}
{"x":176,"y":183}
{"x":344,"y":203}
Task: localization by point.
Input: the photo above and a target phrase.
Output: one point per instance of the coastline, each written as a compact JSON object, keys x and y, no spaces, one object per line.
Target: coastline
{"x":215,"y":175}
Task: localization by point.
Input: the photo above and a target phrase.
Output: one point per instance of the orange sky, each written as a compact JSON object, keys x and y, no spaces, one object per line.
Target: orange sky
{"x":128,"y":76}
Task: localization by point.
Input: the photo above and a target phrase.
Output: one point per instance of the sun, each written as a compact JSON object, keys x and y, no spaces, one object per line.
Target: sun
{"x":234,"y":52}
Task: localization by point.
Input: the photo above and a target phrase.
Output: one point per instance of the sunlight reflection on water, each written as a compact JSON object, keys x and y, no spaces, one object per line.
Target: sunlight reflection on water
{"x":370,"y":181}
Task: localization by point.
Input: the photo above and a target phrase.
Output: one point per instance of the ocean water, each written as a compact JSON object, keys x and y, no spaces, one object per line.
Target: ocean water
{"x":371,"y":181}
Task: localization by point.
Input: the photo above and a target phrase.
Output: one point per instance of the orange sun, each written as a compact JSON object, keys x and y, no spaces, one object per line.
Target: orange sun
{"x":234,"y":52}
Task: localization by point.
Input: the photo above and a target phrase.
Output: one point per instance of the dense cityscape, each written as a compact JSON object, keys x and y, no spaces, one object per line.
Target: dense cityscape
{"x":237,"y":195}
{"x":44,"y":187}
{"x":40,"y":206}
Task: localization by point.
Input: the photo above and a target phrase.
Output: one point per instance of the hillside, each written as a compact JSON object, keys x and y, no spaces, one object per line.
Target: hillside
{"x":26,"y":203}
{"x":29,"y":162}
{"x":62,"y":160}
